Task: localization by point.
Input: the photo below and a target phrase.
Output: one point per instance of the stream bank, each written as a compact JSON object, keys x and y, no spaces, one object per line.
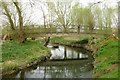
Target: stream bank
{"x":104,"y":51}
{"x":16,"y":57}
{"x":106,"y":59}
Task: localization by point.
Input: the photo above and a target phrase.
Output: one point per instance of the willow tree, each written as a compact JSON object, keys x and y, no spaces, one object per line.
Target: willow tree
{"x":105,"y":17}
{"x":108,"y":16}
{"x":62,"y":11}
{"x":77,"y":16}
{"x":88,"y":19}
{"x":99,"y":17}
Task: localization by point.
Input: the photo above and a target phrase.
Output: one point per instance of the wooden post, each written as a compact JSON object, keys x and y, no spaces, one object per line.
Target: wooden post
{"x":46,"y":42}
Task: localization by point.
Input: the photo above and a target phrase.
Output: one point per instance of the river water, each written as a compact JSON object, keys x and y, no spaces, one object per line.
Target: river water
{"x":65,"y":62}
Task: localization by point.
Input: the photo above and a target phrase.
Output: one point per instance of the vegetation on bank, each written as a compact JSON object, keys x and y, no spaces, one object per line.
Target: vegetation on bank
{"x":62,"y":40}
{"x":106,"y":59}
{"x":106,"y":56}
{"x":70,"y":40}
{"x":16,"y":55}
{"x":84,"y":40}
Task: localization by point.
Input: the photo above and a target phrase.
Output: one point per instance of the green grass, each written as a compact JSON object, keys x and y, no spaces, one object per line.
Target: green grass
{"x":14,"y":54}
{"x":113,"y":74}
{"x":106,"y":60}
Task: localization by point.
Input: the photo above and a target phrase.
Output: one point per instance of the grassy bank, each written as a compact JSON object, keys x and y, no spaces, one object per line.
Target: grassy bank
{"x":16,"y":55}
{"x":106,"y":53}
{"x":70,"y":40}
{"x":106,"y":59}
{"x":75,"y":39}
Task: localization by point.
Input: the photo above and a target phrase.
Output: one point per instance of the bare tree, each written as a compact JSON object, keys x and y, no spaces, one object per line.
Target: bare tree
{"x":62,"y":11}
{"x":7,"y":13}
{"x":12,"y":21}
{"x":21,"y":27}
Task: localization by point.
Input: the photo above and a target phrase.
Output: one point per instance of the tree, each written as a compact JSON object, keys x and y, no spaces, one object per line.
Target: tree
{"x":82,"y":17}
{"x":62,"y":11}
{"x":99,"y":17}
{"x":21,"y":27}
{"x":108,"y":13}
{"x":50,"y":20}
{"x":105,"y":17}
{"x":77,"y":16}
{"x":88,"y":19}
{"x":44,"y":16}
{"x":6,"y":11}
{"x":42,"y":6}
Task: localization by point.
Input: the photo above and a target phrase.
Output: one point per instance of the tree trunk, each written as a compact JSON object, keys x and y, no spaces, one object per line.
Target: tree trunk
{"x":21,"y":30}
{"x":65,"y":29}
{"x":78,"y":29}
{"x":7,"y":13}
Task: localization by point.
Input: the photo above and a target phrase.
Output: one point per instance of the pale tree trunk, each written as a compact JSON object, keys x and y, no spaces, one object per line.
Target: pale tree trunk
{"x":44,"y":17}
{"x":65,"y":28}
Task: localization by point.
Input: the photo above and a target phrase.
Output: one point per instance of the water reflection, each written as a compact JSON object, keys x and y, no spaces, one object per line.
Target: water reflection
{"x":64,"y":52}
{"x":78,"y":70}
